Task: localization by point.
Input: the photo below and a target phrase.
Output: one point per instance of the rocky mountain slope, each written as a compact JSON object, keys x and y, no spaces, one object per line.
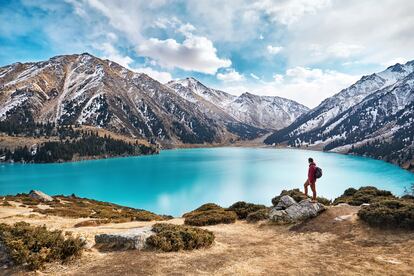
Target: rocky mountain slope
{"x":83,"y":89}
{"x":372,"y":117}
{"x":265,"y":112}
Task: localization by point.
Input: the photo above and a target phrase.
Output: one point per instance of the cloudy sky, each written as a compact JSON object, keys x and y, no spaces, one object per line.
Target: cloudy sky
{"x":304,"y":50}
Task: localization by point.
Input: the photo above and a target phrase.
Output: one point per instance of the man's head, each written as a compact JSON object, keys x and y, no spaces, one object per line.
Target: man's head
{"x":310,"y":160}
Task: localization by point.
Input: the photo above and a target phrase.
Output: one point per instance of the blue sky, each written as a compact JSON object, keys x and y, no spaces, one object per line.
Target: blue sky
{"x":304,"y":50}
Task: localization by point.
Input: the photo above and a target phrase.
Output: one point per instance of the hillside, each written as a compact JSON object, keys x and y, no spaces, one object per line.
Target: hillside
{"x":373,"y":117}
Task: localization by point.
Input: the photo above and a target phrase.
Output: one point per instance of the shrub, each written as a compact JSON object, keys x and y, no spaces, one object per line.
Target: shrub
{"x":324,"y":201}
{"x":363,"y":195}
{"x":34,"y":246}
{"x":394,"y":213}
{"x":211,"y":217}
{"x":261,"y":214}
{"x":243,"y":209}
{"x":209,"y":214}
{"x":6,"y":204}
{"x":298,"y":196}
{"x":89,"y":223}
{"x":170,"y":237}
{"x":204,"y":207}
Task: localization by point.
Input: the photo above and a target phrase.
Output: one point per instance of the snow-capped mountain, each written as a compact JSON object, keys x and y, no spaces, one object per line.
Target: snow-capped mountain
{"x":83,"y":89}
{"x":265,"y":112}
{"x":192,"y":90}
{"x":377,"y":109}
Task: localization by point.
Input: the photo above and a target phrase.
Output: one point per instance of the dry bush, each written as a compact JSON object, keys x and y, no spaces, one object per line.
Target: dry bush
{"x":298,"y":196}
{"x":391,"y":213}
{"x":210,"y":217}
{"x":366,"y":194}
{"x":202,"y":208}
{"x":261,"y":214}
{"x":170,"y":237}
{"x":243,"y":209}
{"x":34,"y":246}
{"x":6,"y":204}
{"x":88,"y":223}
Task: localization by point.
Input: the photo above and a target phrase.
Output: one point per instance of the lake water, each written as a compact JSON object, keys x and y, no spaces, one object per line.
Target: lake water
{"x":176,"y":181}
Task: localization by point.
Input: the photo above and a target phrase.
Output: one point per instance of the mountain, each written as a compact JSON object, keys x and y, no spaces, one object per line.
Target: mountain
{"x":372,"y":117}
{"x":83,"y":89}
{"x":260,"y":111}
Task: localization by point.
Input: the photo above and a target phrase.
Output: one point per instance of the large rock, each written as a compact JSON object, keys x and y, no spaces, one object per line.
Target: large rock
{"x":132,"y":239}
{"x":295,"y":211}
{"x":285,"y":202}
{"x":40,"y":196}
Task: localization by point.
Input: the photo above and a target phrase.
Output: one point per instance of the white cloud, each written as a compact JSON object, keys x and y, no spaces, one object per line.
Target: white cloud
{"x":160,"y":76}
{"x":111,"y":53}
{"x":289,"y":11}
{"x":254,"y":76}
{"x":195,"y":53}
{"x":230,"y":75}
{"x":365,"y":31}
{"x":344,"y":50}
{"x":273,"y":50}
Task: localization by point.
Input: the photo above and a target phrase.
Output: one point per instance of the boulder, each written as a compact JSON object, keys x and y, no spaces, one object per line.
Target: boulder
{"x":132,"y":239}
{"x":279,"y":216}
{"x":303,"y":210}
{"x":285,"y":202}
{"x":40,"y":196}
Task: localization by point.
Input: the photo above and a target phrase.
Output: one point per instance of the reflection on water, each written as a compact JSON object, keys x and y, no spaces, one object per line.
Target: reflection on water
{"x":180,"y":180}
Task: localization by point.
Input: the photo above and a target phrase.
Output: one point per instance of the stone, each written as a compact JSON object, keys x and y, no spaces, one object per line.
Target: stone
{"x":297,"y":212}
{"x":40,"y":196}
{"x":86,"y":244}
{"x":285,"y":202}
{"x":279,"y":216}
{"x":133,"y":239}
{"x":343,"y":218}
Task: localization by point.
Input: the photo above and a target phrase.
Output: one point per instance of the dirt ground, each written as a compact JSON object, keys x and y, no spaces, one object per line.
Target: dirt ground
{"x":335,"y":243}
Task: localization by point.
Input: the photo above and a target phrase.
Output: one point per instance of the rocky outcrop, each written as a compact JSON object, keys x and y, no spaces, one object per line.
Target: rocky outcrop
{"x":132,"y":239}
{"x":289,"y":211}
{"x":40,"y":195}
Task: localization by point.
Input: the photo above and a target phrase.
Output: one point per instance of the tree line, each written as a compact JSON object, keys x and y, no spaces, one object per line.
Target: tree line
{"x":87,"y":146}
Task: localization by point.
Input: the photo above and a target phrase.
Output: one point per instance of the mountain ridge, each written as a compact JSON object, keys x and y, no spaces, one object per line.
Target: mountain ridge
{"x":83,"y":89}
{"x":359,"y":116}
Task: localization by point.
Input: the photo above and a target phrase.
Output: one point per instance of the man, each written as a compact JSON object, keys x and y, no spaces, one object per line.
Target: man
{"x":311,"y":181}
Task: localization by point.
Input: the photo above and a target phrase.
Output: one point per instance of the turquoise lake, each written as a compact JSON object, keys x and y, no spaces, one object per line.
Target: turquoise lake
{"x":176,"y":181}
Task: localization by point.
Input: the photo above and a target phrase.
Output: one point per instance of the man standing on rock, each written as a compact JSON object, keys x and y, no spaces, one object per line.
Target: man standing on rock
{"x":311,"y":181}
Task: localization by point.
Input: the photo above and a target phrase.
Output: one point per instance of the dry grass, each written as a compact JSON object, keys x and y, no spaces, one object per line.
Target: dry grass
{"x":75,"y":207}
{"x":321,"y":246}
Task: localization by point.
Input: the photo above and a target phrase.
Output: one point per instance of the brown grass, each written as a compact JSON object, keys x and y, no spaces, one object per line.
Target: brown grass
{"x":75,"y":207}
